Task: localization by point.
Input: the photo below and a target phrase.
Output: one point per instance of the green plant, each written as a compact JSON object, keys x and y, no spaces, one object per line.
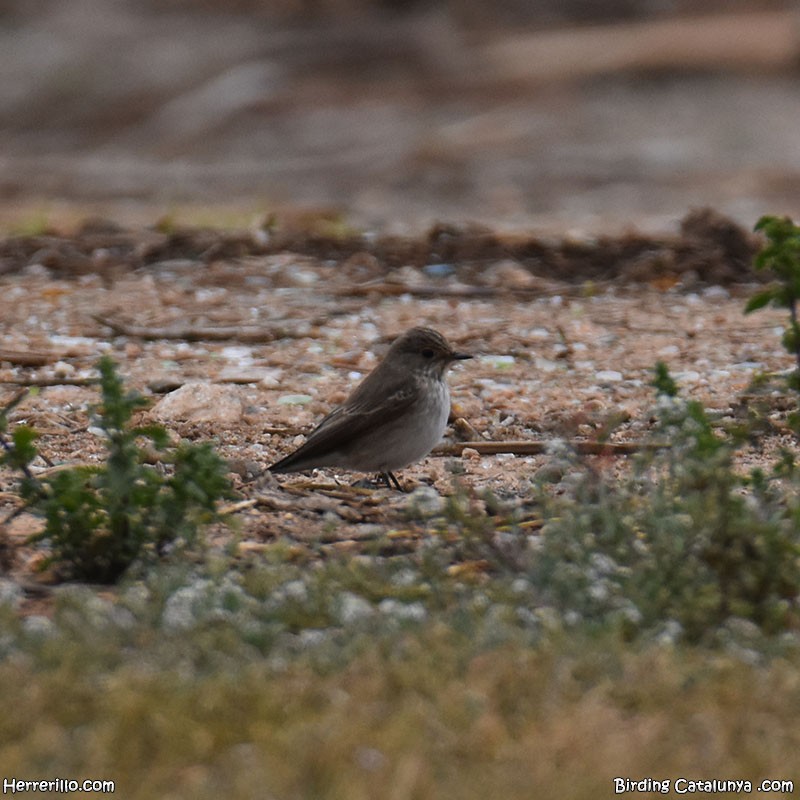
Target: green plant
{"x":684,"y":541}
{"x":99,"y":520}
{"x":663,"y":382}
{"x":21,"y":451}
{"x":781,"y":255}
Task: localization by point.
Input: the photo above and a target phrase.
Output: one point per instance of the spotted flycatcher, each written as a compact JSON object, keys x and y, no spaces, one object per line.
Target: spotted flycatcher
{"x":393,"y":418}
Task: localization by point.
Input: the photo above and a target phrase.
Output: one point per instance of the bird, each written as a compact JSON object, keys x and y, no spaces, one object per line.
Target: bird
{"x":393,"y":418}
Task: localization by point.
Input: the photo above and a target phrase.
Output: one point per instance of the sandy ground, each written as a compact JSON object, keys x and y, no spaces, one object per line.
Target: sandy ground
{"x":271,"y":341}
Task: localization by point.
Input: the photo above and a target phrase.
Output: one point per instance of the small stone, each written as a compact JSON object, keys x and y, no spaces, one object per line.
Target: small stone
{"x":63,"y":370}
{"x":201,"y":402}
{"x":438,"y":270}
{"x":295,"y":399}
{"x":498,"y":361}
{"x":511,"y":275}
{"x":271,"y":378}
{"x":245,"y":468}
{"x":426,"y":501}
{"x":716,"y":293}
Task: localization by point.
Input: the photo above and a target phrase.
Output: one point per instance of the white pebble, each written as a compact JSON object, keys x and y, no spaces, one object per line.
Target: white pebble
{"x":608,"y":375}
{"x":294,"y":400}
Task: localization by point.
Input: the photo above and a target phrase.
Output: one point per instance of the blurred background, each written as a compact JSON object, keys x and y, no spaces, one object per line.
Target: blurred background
{"x":549,"y":115}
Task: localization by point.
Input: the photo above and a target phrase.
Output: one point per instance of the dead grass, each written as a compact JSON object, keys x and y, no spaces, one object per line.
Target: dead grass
{"x":416,"y":717}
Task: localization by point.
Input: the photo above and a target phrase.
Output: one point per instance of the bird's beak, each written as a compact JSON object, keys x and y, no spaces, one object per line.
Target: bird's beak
{"x":461,"y":356}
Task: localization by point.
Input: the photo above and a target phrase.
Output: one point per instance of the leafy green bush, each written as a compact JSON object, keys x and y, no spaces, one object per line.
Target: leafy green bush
{"x":99,"y":520}
{"x":684,"y":542}
{"x":781,"y":255}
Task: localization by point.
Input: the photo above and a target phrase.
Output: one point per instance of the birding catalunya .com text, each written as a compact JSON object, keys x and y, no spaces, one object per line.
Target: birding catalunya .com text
{"x":687,"y":786}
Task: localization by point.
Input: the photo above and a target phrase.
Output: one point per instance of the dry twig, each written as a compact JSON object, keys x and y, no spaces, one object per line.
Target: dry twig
{"x":385,"y":288}
{"x":248,"y":335}
{"x":526,"y":448}
{"x":35,"y":380}
{"x":29,"y":358}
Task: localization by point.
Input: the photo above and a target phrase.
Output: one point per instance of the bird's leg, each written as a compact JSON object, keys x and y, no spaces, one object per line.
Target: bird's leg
{"x":390,"y":479}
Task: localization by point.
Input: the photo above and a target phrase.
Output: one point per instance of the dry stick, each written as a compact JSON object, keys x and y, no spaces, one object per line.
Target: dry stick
{"x":432,"y":290}
{"x":209,"y":334}
{"x":525,"y":448}
{"x":36,"y":381}
{"x":233,"y":508}
{"x":165,"y":385}
{"x":465,"y":430}
{"x":219,"y":333}
{"x":36,"y":589}
{"x":421,"y":290}
{"x":29,"y":358}
{"x":745,"y":41}
{"x":13,"y":402}
{"x":744,"y":333}
{"x":11,"y":516}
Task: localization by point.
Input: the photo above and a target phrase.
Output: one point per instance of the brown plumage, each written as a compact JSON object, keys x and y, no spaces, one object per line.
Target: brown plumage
{"x":393,"y":418}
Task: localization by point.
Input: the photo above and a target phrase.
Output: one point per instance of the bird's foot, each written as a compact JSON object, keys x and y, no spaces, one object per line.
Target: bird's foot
{"x":387,"y":478}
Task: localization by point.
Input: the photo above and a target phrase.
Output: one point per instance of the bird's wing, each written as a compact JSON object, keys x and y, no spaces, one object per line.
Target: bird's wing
{"x":347,"y":422}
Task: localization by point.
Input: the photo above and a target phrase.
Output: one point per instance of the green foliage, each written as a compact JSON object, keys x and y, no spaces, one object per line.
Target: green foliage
{"x":22,"y":450}
{"x":781,"y":255}
{"x":663,"y":382}
{"x":684,"y":542}
{"x":99,"y":520}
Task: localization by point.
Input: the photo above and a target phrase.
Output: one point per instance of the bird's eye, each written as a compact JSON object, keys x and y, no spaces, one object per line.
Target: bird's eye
{"x":427,"y":353}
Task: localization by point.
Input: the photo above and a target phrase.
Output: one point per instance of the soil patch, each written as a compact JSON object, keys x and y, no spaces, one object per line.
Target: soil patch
{"x":566,"y":334}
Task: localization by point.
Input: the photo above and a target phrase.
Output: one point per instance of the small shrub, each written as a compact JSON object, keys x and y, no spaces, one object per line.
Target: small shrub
{"x":781,"y":255}
{"x":22,"y":450}
{"x":99,"y":520}
{"x":684,"y":539}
